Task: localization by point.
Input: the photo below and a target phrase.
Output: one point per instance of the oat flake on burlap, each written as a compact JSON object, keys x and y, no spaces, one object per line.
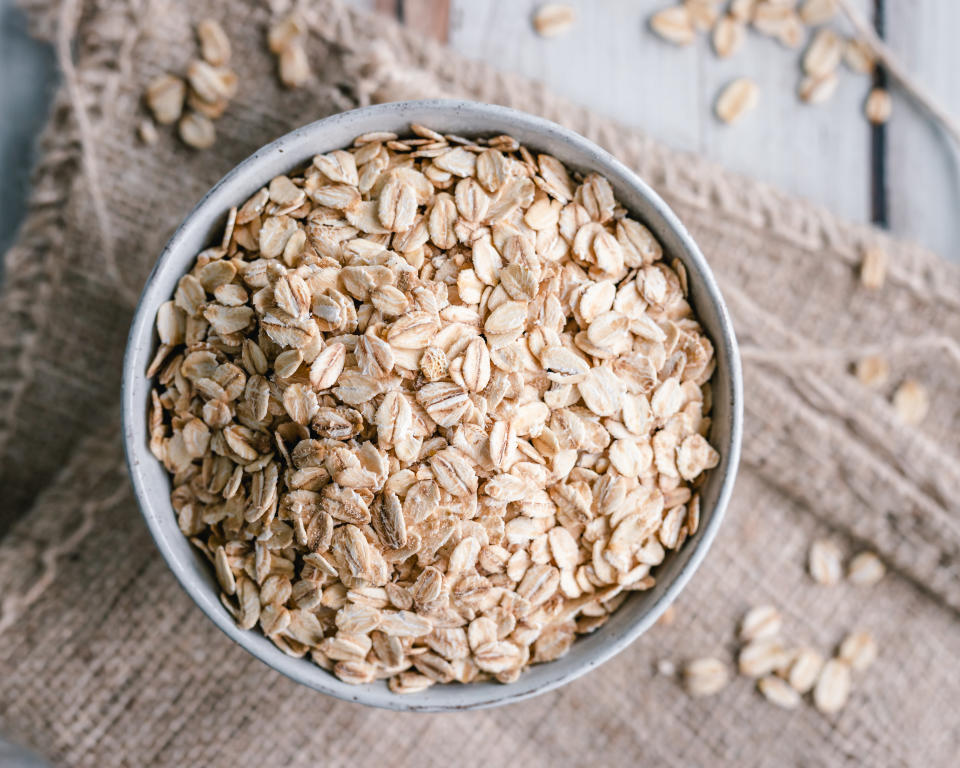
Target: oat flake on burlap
{"x":106,"y":662}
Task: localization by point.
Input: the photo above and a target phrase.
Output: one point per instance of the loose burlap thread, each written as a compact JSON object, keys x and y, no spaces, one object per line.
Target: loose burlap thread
{"x":106,"y":662}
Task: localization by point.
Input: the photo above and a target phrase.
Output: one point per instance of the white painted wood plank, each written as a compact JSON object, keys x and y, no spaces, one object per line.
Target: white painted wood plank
{"x":924,"y":167}
{"x":820,"y":152}
{"x":611,"y":62}
{"x":607,"y":61}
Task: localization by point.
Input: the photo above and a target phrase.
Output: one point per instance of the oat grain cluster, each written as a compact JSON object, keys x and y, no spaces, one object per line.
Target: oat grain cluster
{"x":825,"y":564}
{"x":432,"y":408}
{"x":783,"y":669}
{"x":196,"y":101}
{"x":286,"y":41}
{"x":789,"y":22}
{"x":785,"y":672}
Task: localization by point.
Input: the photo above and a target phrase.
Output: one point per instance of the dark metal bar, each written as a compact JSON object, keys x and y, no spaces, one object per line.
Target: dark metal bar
{"x":879,"y":200}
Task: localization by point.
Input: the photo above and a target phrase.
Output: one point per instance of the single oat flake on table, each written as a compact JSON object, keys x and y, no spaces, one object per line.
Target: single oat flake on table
{"x":432,"y":408}
{"x":553,"y":19}
{"x":736,"y":99}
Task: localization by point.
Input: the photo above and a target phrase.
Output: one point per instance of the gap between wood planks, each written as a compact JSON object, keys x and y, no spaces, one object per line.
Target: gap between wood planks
{"x":879,"y":203}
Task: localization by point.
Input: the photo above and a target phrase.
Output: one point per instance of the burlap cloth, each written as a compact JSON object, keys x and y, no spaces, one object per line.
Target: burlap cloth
{"x":104,"y":661}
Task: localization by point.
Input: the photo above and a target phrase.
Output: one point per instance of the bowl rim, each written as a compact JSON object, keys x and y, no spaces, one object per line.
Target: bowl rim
{"x":134,"y":422}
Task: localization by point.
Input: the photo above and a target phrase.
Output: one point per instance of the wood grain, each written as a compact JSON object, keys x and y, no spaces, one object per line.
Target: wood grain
{"x":820,"y":152}
{"x":924,"y":166}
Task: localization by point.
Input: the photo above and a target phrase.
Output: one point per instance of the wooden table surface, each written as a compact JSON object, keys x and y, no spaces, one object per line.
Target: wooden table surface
{"x":905,"y":175}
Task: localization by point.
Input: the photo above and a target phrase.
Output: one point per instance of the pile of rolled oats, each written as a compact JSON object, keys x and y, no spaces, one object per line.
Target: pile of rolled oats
{"x":432,"y":408}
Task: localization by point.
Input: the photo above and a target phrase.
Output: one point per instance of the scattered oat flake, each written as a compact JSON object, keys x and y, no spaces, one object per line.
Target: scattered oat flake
{"x":873,"y":371}
{"x":165,"y":97}
{"x":705,"y":676}
{"x":728,"y":36}
{"x":210,"y":84}
{"x":778,"y":691}
{"x":147,"y":132}
{"x":666,"y":668}
{"x":858,"y":56}
{"x":761,"y":622}
{"x":873,"y":268}
{"x":865,"y":569}
{"x":293,"y":65}
{"x":668,"y":617}
{"x":792,"y":33}
{"x":742,"y":10}
{"x":553,"y":19}
{"x":674,"y":25}
{"x":818,"y":90}
{"x":825,"y":562}
{"x":703,"y":13}
{"x":816,"y":12}
{"x":833,"y":687}
{"x":823,"y":54}
{"x":771,"y":19}
{"x":762,"y":656}
{"x":911,"y":402}
{"x":214,"y":43}
{"x":878,"y":106}
{"x":736,"y":99}
{"x":859,"y":650}
{"x":197,"y":131}
{"x":805,"y":669}
{"x":285,"y":32}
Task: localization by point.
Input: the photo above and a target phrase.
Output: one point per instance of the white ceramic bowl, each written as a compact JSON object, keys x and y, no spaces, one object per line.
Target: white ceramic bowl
{"x":203,"y":226}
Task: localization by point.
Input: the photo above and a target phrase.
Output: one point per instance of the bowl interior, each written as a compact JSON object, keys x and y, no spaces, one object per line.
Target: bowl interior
{"x":204,"y":225}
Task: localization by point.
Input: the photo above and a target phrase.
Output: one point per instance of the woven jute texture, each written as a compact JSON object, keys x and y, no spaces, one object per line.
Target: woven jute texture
{"x":105,"y":662}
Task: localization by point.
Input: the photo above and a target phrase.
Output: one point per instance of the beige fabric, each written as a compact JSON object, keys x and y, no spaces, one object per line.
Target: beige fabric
{"x":105,"y":662}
